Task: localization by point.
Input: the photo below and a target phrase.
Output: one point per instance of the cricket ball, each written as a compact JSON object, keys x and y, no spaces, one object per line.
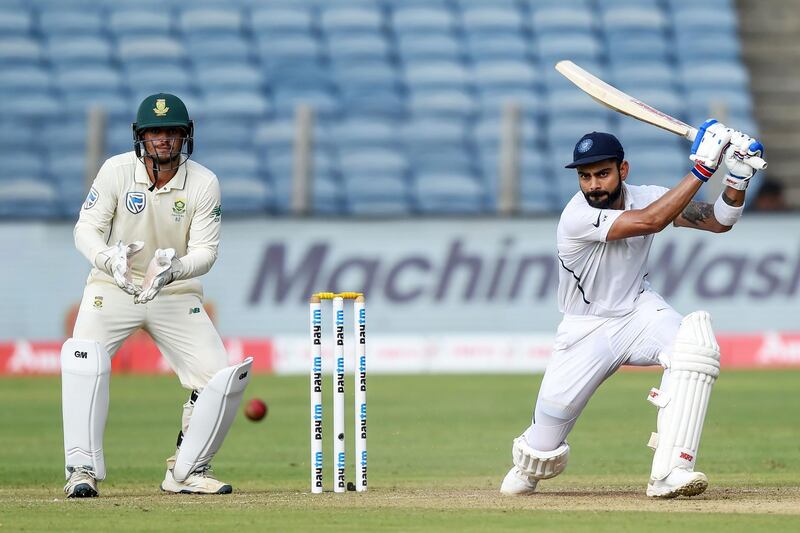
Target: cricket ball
{"x":255,"y":409}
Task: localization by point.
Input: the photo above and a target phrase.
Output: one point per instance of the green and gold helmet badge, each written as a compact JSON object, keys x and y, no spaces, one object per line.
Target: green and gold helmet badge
{"x":161,"y":108}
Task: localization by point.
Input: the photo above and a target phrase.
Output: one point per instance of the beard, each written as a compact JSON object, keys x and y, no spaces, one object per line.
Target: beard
{"x":163,"y":159}
{"x":602,"y":199}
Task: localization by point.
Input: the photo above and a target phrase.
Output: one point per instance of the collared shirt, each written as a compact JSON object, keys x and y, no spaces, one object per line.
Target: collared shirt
{"x":184,"y":214}
{"x":597,"y":277}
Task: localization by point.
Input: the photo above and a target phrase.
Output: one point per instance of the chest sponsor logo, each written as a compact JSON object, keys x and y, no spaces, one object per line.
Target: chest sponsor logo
{"x":135,"y":202}
{"x":91,"y":198}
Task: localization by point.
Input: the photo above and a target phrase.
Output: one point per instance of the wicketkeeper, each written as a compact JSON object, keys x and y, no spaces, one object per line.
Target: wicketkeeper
{"x":612,"y":317}
{"x":150,"y":227}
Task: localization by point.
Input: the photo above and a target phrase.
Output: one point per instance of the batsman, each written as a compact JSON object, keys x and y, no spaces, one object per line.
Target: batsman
{"x":612,"y":316}
{"x":150,"y":227}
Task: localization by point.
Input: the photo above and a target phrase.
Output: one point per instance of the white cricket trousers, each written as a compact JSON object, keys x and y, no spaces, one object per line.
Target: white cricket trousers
{"x":178,"y":324}
{"x":588,"y":350}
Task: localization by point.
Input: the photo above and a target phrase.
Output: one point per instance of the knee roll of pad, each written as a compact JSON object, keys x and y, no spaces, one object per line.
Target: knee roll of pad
{"x":538,"y":464}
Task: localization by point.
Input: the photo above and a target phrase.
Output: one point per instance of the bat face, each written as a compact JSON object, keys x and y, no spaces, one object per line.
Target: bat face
{"x":621,"y":102}
{"x":626,"y":104}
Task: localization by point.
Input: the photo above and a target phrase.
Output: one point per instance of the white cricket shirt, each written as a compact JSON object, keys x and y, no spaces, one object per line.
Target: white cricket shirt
{"x":184,"y":215}
{"x":597,"y":277}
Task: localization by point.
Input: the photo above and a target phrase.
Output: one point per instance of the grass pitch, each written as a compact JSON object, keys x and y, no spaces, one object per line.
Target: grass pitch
{"x":438,"y":448}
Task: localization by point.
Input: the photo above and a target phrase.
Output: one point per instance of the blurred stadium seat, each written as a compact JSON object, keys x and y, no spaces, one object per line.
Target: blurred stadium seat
{"x":408,"y":94}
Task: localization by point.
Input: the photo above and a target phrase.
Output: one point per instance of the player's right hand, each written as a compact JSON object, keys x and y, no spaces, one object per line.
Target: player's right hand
{"x":709,"y":145}
{"x":118,"y":264}
{"x":737,"y":155}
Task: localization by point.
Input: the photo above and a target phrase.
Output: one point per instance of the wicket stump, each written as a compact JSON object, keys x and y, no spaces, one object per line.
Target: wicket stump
{"x":360,"y":387}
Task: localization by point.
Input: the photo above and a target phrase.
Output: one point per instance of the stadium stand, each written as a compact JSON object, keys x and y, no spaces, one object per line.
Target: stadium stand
{"x":408,"y":94}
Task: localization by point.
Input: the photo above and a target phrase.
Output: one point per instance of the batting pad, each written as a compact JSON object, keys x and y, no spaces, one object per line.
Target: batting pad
{"x":214,"y":411}
{"x":538,"y":464}
{"x":85,"y":370}
{"x":693,"y":369}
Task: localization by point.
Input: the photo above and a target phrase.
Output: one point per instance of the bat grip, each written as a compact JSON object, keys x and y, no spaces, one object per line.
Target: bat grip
{"x":755,"y":162}
{"x":752,"y":161}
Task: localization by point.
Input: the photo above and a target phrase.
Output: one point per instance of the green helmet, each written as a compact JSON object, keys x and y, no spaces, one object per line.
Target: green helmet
{"x":159,"y":110}
{"x":162,"y":110}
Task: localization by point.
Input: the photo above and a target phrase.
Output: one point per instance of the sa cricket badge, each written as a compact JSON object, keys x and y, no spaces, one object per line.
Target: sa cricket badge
{"x":161,"y":108}
{"x":179,"y":209}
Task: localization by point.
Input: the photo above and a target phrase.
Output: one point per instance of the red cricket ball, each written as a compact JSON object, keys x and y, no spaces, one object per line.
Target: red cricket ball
{"x":255,"y":409}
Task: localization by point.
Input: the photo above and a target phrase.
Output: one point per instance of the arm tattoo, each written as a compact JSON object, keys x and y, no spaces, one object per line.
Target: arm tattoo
{"x":698,"y":212}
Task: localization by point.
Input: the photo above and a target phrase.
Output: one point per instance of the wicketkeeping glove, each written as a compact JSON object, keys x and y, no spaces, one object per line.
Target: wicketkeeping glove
{"x":736,"y":158}
{"x":116,"y":261}
{"x":162,"y":270}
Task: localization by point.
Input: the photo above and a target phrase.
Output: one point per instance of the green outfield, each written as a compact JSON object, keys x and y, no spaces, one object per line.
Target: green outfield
{"x":438,"y":448}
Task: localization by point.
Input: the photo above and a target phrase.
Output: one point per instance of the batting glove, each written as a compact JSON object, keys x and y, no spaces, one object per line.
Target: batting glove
{"x":736,"y":157}
{"x":711,"y":141}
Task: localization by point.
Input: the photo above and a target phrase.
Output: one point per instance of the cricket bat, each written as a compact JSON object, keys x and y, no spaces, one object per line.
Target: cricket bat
{"x":620,"y":102}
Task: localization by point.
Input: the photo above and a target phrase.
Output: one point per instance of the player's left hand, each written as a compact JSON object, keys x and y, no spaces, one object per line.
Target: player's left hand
{"x":736,"y":157}
{"x":162,"y":270}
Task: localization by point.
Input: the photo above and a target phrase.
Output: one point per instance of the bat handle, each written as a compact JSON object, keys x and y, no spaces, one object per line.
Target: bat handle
{"x":753,"y":161}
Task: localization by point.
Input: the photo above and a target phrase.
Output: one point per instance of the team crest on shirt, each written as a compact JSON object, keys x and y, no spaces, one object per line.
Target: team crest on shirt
{"x":91,"y":198}
{"x":135,"y":202}
{"x":98,"y":302}
{"x":179,"y":209}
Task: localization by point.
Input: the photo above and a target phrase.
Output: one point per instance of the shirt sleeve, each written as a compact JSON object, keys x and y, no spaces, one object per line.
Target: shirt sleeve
{"x":201,"y":250}
{"x":587,"y":223}
{"x":96,"y":214}
{"x":654,"y":193}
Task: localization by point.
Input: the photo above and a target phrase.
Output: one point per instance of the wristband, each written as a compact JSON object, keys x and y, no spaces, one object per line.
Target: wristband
{"x":702,"y":172}
{"x":725,"y":214}
{"x":736,"y":182}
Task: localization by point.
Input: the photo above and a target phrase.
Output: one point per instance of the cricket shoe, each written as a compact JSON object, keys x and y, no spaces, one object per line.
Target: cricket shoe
{"x":516,"y":483}
{"x":679,"y":482}
{"x":201,"y":481}
{"x":81,"y":483}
